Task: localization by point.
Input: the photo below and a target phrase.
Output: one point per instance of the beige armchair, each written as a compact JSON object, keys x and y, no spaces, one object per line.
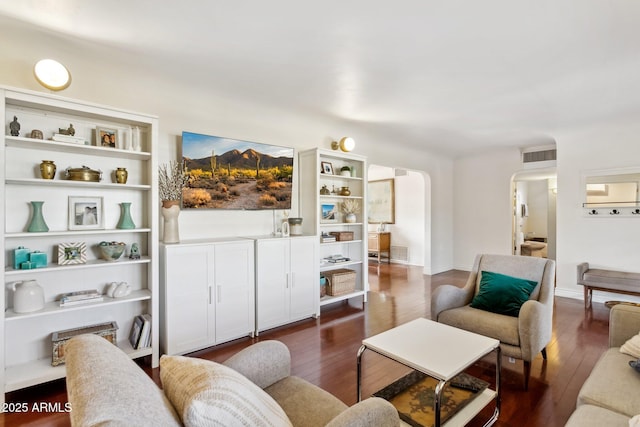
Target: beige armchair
{"x":521,"y":337}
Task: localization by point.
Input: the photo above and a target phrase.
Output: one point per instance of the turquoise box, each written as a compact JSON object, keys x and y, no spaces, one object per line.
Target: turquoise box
{"x":20,"y":255}
{"x":38,"y":259}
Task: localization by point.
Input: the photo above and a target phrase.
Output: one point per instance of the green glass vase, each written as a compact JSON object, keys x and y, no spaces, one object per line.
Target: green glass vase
{"x":37,"y":224}
{"x":125,"y":222}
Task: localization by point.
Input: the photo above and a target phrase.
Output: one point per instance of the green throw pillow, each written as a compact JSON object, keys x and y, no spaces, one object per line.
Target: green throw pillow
{"x":502,"y":294}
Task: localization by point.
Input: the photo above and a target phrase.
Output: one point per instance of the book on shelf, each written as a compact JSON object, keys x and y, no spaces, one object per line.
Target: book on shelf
{"x":140,"y":335}
{"x":81,"y":301}
{"x":80,"y":297}
{"x":58,"y":137}
{"x":145,"y":335}
{"x":136,"y":329}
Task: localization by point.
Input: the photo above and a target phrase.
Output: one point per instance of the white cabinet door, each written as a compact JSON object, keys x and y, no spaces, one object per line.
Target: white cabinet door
{"x":305,"y":282}
{"x":188,"y":276}
{"x":233,"y":281}
{"x":272,"y":283}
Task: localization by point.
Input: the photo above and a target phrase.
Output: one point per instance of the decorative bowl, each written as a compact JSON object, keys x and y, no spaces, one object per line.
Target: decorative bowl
{"x":111,"y":251}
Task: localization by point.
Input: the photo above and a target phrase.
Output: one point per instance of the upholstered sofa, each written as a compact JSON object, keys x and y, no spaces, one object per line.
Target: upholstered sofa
{"x":610,"y":395}
{"x":254,"y":387}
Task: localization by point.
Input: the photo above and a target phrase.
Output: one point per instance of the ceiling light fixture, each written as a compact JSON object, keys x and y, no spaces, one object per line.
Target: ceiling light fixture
{"x":346,"y":144}
{"x":52,"y":74}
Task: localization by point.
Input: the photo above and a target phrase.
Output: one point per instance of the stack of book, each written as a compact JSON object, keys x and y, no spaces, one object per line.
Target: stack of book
{"x":58,"y":137}
{"x":140,"y":335}
{"x":326,"y":238}
{"x":80,"y":297}
{"x":336,"y":259}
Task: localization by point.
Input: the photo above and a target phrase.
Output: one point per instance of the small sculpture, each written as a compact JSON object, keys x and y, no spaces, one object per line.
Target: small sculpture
{"x":37,"y":134}
{"x":134,"y":253}
{"x":15,"y":127}
{"x":69,"y":131}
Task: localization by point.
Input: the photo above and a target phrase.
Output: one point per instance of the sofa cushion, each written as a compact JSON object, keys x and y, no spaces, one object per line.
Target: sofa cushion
{"x":595,"y":416}
{"x":206,"y":393}
{"x":106,"y":388}
{"x":632,"y":346}
{"x":612,"y":384}
{"x":498,"y":326}
{"x":304,"y":403}
{"x":502,"y":294}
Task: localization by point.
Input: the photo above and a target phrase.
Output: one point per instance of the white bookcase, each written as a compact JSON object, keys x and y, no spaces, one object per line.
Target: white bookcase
{"x":25,"y":358}
{"x":312,"y":179}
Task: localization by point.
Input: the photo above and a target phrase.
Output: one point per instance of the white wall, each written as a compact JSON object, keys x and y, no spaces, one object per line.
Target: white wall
{"x":482,"y":205}
{"x":603,"y":241}
{"x":410,"y":215}
{"x":117,"y":78}
{"x":482,"y":216}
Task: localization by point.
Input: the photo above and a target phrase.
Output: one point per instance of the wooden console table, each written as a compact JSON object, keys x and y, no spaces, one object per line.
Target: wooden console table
{"x":379,"y":243}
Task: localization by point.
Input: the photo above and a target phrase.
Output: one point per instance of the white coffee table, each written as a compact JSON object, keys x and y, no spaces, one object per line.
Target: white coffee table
{"x":442,"y":352}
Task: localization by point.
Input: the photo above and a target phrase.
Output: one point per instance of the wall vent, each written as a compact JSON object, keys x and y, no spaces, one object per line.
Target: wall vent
{"x":542,"y":157}
{"x":400,"y":253}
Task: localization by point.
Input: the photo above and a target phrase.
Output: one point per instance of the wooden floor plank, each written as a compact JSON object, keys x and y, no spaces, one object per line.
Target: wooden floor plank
{"x":324,"y":352}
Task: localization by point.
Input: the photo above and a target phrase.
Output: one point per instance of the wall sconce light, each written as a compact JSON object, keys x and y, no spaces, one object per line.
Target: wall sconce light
{"x":346,"y":144}
{"x":52,"y":74}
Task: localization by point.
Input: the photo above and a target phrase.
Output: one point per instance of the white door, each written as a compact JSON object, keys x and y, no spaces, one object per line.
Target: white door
{"x":305,"y":278}
{"x":233,"y":290}
{"x":272,"y":283}
{"x":187,"y":298}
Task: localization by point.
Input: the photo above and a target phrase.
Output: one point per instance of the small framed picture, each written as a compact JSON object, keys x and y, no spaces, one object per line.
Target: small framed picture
{"x":72,"y":253}
{"x":85,"y":213}
{"x":327,"y":168}
{"x":329,"y":212}
{"x":106,"y":137}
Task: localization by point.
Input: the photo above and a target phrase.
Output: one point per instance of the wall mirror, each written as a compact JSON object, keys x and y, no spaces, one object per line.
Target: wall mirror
{"x":608,"y":190}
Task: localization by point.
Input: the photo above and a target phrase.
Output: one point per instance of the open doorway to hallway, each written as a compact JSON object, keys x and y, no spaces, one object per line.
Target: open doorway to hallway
{"x":534,"y":213}
{"x":410,"y":233}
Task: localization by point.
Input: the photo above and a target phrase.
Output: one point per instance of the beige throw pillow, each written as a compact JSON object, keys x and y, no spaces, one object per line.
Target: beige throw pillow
{"x":205,"y":393}
{"x":632,"y":347}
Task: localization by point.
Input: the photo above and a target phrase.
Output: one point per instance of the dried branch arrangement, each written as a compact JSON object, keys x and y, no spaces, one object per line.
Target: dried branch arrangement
{"x":171,"y":180}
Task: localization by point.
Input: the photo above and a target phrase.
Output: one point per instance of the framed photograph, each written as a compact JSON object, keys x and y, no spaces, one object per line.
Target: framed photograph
{"x":106,"y":137}
{"x":329,"y":212}
{"x":381,"y":202}
{"x":327,"y":168}
{"x":72,"y":253}
{"x":85,"y":213}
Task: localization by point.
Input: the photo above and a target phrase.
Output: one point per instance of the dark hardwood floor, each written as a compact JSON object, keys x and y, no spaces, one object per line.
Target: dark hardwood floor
{"x":324,"y":352}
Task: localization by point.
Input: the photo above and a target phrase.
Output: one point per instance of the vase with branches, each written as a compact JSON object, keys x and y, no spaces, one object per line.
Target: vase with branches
{"x":171,"y":181}
{"x":350,"y":208}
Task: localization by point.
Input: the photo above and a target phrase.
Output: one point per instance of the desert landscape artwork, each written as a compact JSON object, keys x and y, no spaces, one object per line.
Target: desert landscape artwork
{"x":228,"y":173}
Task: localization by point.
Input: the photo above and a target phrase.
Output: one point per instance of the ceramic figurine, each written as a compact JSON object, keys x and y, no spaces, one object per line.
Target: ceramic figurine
{"x":134,"y":252}
{"x":15,"y":127}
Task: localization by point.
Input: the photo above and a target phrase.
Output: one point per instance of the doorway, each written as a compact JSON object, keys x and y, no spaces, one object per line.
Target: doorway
{"x":534,"y":213}
{"x":410,"y":233}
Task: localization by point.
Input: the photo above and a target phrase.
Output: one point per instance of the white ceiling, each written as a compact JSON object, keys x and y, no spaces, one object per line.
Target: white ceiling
{"x":456,"y":76}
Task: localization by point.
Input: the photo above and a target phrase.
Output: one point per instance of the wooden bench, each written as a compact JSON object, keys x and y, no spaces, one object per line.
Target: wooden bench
{"x":606,"y":280}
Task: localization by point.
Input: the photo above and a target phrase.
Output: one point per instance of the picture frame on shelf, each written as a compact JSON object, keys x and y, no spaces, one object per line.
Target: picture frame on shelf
{"x":106,"y":137}
{"x":328,"y":212}
{"x":327,"y":168}
{"x":72,"y":253}
{"x":86,"y":213}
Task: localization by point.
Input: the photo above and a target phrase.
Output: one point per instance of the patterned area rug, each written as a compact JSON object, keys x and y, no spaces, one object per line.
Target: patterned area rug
{"x":413,"y":396}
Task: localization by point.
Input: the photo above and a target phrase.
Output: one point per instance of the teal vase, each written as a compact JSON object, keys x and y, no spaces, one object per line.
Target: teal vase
{"x":125,"y":222}
{"x":37,"y":224}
